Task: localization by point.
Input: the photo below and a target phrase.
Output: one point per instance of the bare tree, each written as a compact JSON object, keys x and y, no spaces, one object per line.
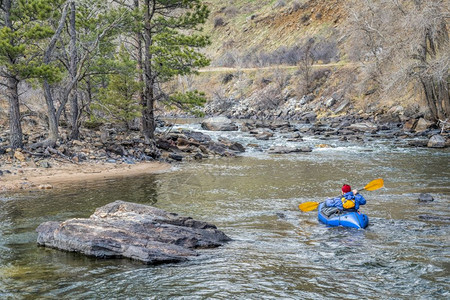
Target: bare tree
{"x":403,"y":42}
{"x":305,"y":66}
{"x":52,"y":120}
{"x":76,"y":64}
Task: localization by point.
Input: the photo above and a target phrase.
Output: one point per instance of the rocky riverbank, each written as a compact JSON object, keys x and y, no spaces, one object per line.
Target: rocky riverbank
{"x":418,"y":132}
{"x":104,"y":153}
{"x":111,"y":152}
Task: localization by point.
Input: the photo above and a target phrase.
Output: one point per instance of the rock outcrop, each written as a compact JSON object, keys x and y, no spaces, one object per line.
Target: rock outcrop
{"x":219,"y":124}
{"x":123,"y":229}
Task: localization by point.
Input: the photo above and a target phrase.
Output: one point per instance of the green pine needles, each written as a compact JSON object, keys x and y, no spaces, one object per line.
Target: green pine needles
{"x":103,"y":60}
{"x":118,"y":101}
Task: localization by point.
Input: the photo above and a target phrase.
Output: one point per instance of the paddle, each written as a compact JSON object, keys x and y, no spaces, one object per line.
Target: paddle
{"x":371,"y":186}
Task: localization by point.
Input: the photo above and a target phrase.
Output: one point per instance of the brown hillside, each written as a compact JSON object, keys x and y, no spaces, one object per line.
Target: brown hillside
{"x":248,"y":26}
{"x":262,"y":44}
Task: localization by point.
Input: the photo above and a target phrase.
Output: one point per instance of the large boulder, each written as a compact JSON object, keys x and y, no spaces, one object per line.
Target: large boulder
{"x":422,"y":125}
{"x":197,"y":136}
{"x":309,"y":117}
{"x":234,"y":146}
{"x":342,"y":106}
{"x":436,"y":141}
{"x":219,"y":124}
{"x":264,"y":136}
{"x":123,"y":229}
{"x":279,"y":124}
{"x":410,"y":125}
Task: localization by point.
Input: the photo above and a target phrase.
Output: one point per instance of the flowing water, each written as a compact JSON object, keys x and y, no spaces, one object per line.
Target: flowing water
{"x":277,"y":252}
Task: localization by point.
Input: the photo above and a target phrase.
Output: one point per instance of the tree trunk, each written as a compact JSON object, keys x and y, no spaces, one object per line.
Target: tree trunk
{"x":148,"y":120}
{"x":75,"y":128}
{"x":89,"y":92}
{"x":16,"y":136}
{"x":140,"y":67}
{"x":438,"y":99}
{"x":15,"y":128}
{"x":435,"y":88}
{"x":428,"y":90}
{"x":306,"y":64}
{"x":53,"y":125}
{"x":53,"y":133}
{"x":445,"y":98}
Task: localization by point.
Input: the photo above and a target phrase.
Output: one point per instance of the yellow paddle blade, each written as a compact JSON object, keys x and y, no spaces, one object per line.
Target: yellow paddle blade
{"x":374,"y":185}
{"x":308,"y":206}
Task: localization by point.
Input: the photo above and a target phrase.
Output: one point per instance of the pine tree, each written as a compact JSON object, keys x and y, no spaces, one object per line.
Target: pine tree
{"x":23,"y":27}
{"x":168,"y":40}
{"x":118,"y":100}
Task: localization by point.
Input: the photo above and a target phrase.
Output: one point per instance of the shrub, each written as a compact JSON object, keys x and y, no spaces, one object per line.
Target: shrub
{"x":326,"y":50}
{"x":220,"y":103}
{"x":226,"y":60}
{"x":296,"y":6}
{"x":231,"y":11}
{"x":218,"y":22}
{"x":322,"y":49}
{"x":305,"y":18}
{"x":93,"y":124}
{"x":280,"y":3}
{"x":227,"y":78}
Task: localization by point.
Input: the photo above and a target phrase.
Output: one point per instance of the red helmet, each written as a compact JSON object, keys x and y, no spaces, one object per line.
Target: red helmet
{"x":346,"y":188}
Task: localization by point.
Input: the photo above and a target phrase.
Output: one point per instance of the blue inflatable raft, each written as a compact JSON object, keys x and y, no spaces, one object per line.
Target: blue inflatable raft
{"x":353,"y":219}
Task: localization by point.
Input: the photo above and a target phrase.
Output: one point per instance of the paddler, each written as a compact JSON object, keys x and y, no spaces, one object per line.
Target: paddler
{"x":349,"y":200}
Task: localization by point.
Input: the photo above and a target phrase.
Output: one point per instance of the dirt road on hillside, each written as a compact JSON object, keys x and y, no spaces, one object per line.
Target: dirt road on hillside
{"x":226,"y":69}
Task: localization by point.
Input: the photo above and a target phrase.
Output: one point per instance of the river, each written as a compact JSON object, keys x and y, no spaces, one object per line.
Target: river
{"x":277,"y":251}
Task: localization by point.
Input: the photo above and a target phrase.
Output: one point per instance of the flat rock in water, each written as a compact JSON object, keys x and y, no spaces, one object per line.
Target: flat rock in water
{"x":363,"y":127}
{"x":287,"y":150}
{"x":123,"y":229}
{"x":283,"y":150}
{"x":219,"y":124}
{"x":423,"y":197}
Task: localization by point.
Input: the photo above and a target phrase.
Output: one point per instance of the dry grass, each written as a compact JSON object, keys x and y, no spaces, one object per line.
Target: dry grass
{"x":265,"y":26}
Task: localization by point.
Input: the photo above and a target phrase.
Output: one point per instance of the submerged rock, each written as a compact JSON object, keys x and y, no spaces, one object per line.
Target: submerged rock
{"x":434,"y":218}
{"x":423,"y":197}
{"x":123,"y":229}
{"x":418,"y":143}
{"x":286,"y":150}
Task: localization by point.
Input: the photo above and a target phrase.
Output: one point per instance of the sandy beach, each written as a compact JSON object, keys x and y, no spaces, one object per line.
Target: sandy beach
{"x":60,"y":174}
